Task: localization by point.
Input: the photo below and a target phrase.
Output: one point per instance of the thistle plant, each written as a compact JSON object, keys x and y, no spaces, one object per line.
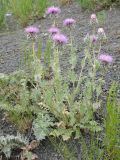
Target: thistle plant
{"x":69,"y":24}
{"x":59,"y":40}
{"x":53,"y":12}
{"x":63,"y":106}
{"x":32,"y":34}
{"x":73,"y":108}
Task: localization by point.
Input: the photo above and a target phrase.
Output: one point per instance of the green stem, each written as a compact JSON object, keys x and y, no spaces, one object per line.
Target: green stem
{"x":78,"y":85}
{"x":33,"y":49}
{"x":99,"y":48}
{"x":56,"y":65}
{"x":72,"y":51}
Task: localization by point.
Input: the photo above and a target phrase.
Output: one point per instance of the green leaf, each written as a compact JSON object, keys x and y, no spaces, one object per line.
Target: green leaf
{"x":41,"y":125}
{"x":63,"y":132}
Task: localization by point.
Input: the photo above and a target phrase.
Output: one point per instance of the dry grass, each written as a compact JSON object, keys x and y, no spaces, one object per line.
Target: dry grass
{"x":64,"y":2}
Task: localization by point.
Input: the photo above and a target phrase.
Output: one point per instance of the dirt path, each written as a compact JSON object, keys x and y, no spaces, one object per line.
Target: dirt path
{"x":11,"y":53}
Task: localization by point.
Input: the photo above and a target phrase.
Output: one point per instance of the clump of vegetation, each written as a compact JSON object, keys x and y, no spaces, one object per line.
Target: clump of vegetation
{"x":23,"y":11}
{"x":15,"y":102}
{"x":106,"y":145}
{"x":9,"y":142}
{"x":64,"y":2}
{"x":112,"y":125}
{"x":3,"y":9}
{"x":87,"y":4}
{"x":27,"y":10}
{"x":96,"y":4}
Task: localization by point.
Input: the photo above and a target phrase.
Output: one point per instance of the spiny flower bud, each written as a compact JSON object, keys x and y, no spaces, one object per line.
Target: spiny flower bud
{"x":54,"y":30}
{"x":93,"y":19}
{"x":101,"y":33}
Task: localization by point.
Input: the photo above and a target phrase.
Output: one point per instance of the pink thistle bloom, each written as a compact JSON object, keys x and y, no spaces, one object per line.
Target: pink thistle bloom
{"x":93,"y":38}
{"x":60,"y":39}
{"x":53,"y":10}
{"x":93,"y":18}
{"x":69,"y":22}
{"x":54,"y":30}
{"x":105,"y":58}
{"x":31,"y":30}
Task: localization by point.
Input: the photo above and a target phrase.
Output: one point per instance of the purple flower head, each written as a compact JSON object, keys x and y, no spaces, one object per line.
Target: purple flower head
{"x":93,"y":39}
{"x":105,"y":58}
{"x":54,"y":30}
{"x":69,"y":22}
{"x":53,"y":10}
{"x":31,"y":30}
{"x":60,"y":38}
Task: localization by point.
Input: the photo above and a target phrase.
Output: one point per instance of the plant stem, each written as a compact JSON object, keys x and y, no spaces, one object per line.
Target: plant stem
{"x":33,"y":50}
{"x":78,"y":85}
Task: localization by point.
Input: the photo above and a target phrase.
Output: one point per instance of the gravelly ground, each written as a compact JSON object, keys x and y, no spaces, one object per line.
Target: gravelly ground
{"x":11,"y":52}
